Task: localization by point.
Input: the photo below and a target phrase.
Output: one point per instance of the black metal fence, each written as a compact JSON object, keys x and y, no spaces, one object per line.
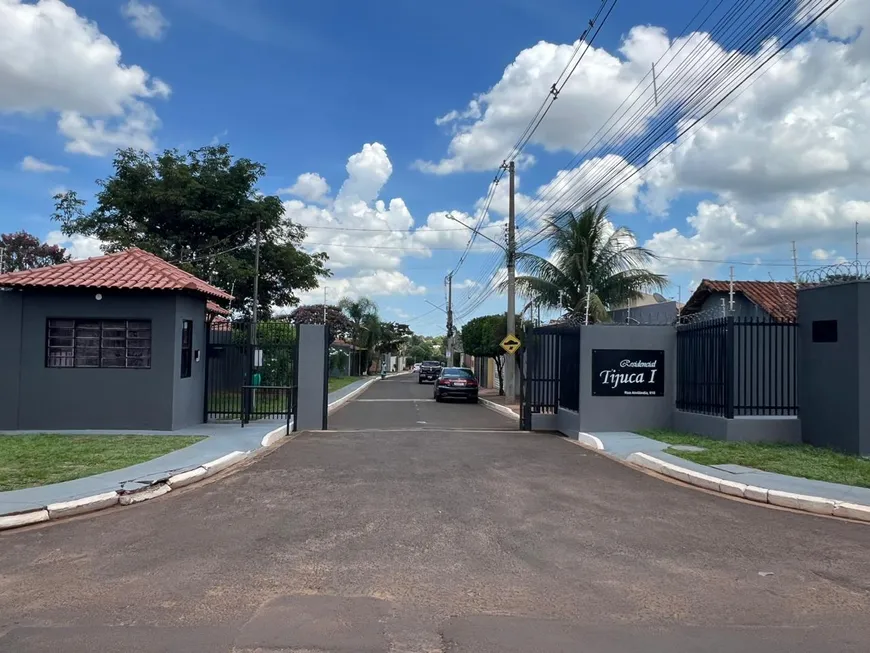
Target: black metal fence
{"x":249,"y":375}
{"x":551,"y":370}
{"x":732,"y":367}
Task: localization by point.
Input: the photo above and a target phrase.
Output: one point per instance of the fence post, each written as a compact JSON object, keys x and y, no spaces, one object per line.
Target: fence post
{"x":729,"y":368}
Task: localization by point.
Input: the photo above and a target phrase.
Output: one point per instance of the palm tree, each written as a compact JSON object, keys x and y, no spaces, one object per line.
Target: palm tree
{"x":586,"y":250}
{"x":358,"y":311}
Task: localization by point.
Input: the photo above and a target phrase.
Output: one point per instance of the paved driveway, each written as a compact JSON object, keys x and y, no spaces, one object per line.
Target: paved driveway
{"x":420,"y":527}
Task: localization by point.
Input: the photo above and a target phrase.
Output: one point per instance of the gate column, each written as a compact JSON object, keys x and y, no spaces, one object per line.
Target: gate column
{"x":312,"y":378}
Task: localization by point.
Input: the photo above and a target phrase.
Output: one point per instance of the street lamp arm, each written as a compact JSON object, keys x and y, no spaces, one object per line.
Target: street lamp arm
{"x":479,"y":233}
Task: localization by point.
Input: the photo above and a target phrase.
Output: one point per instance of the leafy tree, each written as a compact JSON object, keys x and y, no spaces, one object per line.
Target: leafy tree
{"x":339,"y":324}
{"x":393,"y":336}
{"x":358,"y":311}
{"x":199,"y":210}
{"x":481,"y":336}
{"x":585,"y":250}
{"x":24,"y":251}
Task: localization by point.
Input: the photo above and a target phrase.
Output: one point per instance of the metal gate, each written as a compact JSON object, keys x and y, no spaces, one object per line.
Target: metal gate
{"x":551,"y":372}
{"x":251,"y":376}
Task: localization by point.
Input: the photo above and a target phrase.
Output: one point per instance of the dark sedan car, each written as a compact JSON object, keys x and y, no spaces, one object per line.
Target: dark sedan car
{"x":456,"y":383}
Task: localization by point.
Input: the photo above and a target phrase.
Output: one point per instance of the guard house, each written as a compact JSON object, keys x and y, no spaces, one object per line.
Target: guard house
{"x":111,"y":342}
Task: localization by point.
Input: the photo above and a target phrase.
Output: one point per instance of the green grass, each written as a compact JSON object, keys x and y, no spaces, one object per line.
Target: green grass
{"x":338,"y":382}
{"x":43,"y":458}
{"x":800,"y":460}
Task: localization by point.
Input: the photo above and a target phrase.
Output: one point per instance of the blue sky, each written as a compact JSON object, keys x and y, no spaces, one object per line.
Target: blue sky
{"x":301,"y":87}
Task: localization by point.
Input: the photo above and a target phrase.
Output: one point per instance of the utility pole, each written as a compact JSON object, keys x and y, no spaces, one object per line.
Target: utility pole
{"x":511,"y":365}
{"x":856,"y":243}
{"x":450,"y":319}
{"x":588,"y":297}
{"x":256,"y":285}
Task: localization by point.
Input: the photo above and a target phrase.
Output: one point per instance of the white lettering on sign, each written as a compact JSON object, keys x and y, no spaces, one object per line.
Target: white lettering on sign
{"x":615,"y":379}
{"x":630,"y":363}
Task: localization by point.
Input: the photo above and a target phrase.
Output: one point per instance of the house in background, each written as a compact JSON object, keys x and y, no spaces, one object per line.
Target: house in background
{"x":765,"y":300}
{"x":112,"y":342}
{"x":648,"y":309}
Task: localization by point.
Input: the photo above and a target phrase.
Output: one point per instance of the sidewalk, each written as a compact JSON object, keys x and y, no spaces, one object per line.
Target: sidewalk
{"x":491,"y":394}
{"x":221,"y":440}
{"x":637,"y":449}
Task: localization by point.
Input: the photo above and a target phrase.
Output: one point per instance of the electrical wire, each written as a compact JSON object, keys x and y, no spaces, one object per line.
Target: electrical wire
{"x":607,"y":182}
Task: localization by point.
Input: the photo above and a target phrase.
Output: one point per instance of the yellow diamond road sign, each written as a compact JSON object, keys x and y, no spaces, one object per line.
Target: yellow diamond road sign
{"x":510,"y":344}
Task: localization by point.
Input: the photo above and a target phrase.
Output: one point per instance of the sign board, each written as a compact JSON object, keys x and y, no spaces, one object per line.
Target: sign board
{"x":510,"y":344}
{"x":628,"y":373}
{"x":258,"y":358}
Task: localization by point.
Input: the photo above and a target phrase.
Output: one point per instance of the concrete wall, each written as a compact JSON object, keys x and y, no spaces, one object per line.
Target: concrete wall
{"x":34,"y":396}
{"x":11,"y":306}
{"x":626,"y":413}
{"x":834,"y":380}
{"x":740,"y":429}
{"x":189,"y":393}
{"x":311,"y":400}
{"x":77,"y":398}
{"x":658,"y":314}
{"x":712,"y":307}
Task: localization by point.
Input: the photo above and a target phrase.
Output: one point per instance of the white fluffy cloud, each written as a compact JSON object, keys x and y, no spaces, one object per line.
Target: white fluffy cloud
{"x":146,"y":19}
{"x":309,"y":186}
{"x":785,"y":161}
{"x":32,"y":164}
{"x":76,"y":246}
{"x":53,"y":60}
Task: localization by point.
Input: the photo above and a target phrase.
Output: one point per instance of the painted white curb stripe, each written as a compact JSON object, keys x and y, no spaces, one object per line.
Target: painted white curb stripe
{"x":148,"y":493}
{"x":589,"y":441}
{"x":816,"y":505}
{"x":338,"y":403}
{"x":273,"y":436}
{"x":186,"y":478}
{"x":81,"y":506}
{"x":224,"y":461}
{"x":24,"y":519}
{"x":504,"y":410}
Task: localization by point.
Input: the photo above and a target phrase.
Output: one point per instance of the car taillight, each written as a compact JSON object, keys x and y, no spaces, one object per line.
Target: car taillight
{"x":443,"y":382}
{"x":472,"y":383}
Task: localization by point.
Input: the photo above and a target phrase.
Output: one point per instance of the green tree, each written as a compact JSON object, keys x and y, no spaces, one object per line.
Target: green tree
{"x":24,"y":251}
{"x":481,"y":336}
{"x":360,"y":312}
{"x":339,"y":324}
{"x":585,"y":250}
{"x":200,"y":211}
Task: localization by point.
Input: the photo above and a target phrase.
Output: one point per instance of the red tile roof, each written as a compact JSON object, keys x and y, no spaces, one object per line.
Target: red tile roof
{"x":133,"y":269}
{"x":778,"y":298}
{"x":211,"y":307}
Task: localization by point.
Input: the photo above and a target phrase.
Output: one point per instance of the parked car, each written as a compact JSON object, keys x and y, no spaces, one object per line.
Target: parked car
{"x":456,"y":383}
{"x":416,"y":367}
{"x":429,"y":371}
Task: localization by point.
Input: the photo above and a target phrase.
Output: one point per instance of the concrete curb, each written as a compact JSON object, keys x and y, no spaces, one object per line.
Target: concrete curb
{"x":504,"y":410}
{"x":589,"y":441}
{"x":814,"y":505}
{"x":273,"y":436}
{"x":125,"y":498}
{"x":350,"y":396}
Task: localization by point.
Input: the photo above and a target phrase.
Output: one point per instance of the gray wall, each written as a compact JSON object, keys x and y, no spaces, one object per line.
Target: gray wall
{"x":11,"y":307}
{"x":189,"y":393}
{"x":76,"y":398}
{"x":662,"y":313}
{"x":311,"y":400}
{"x":743,"y":307}
{"x":740,"y":429}
{"x":626,"y":413}
{"x":834,"y":380}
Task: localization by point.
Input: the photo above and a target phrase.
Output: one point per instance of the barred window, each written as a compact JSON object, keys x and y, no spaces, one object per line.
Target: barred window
{"x":186,"y":348}
{"x":98,"y":343}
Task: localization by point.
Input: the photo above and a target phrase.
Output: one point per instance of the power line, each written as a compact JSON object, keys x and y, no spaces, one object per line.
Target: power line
{"x":607,"y":182}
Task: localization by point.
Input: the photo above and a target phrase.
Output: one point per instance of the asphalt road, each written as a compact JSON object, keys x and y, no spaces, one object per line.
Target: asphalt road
{"x":416,"y":527}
